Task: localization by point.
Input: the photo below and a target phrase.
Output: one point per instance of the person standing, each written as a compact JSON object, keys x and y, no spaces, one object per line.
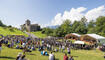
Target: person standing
{"x":51,"y":56}
{"x":0,"y":46}
{"x":68,"y":50}
{"x":63,"y":48}
{"x":60,"y":48}
{"x":65,"y":57}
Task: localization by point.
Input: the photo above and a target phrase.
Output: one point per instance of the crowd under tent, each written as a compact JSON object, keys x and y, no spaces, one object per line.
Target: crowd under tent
{"x":73,"y":36}
{"x":93,"y":38}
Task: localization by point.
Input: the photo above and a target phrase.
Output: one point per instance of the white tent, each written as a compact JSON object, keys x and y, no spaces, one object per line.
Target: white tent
{"x":76,"y":34}
{"x":79,"y":42}
{"x":99,"y":38}
{"x":96,"y":36}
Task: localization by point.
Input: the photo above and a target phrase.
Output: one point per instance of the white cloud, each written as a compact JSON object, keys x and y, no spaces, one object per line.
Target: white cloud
{"x":57,"y":20}
{"x":77,"y":14}
{"x":74,"y":14}
{"x":95,"y":13}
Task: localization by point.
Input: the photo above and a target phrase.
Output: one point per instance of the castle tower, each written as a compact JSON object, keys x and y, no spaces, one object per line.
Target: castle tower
{"x":28,"y":25}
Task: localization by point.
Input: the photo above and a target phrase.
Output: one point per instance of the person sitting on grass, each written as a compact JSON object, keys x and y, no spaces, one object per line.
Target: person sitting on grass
{"x":56,"y":50}
{"x":23,"y":57}
{"x":33,"y":48}
{"x":9,"y":45}
{"x":65,"y":57}
{"x":44,"y":53}
{"x":71,"y":58}
{"x":23,"y":45}
{"x":41,"y":52}
{"x":19,"y":56}
{"x":104,"y":55}
{"x":17,"y":47}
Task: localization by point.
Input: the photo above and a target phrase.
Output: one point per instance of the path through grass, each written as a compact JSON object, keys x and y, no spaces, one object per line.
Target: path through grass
{"x":39,"y":34}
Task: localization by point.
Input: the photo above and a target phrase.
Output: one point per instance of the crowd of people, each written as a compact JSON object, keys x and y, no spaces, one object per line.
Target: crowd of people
{"x":28,"y":44}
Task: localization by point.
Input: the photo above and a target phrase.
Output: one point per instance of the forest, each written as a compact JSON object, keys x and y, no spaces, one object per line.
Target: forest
{"x":81,"y":27}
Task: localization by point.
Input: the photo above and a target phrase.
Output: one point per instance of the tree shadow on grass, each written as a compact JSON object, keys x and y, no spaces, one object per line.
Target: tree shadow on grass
{"x":56,"y":59}
{"x":30,"y":54}
{"x":75,"y":56}
{"x":5,"y":57}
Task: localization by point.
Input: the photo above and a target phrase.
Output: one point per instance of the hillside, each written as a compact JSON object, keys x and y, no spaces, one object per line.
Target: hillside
{"x":39,"y":34}
{"x":10,"y":31}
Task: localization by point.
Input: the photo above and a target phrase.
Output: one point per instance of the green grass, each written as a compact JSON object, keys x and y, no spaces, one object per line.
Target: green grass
{"x":10,"y":54}
{"x":79,"y":55}
{"x":7,"y":31}
{"x":39,"y":34}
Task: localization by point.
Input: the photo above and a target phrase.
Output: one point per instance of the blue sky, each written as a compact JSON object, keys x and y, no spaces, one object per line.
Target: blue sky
{"x":15,"y":12}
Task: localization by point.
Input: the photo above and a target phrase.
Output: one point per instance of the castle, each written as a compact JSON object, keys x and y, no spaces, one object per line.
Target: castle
{"x":30,"y":27}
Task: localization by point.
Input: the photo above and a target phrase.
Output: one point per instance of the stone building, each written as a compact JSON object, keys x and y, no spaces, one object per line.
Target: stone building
{"x":30,"y":27}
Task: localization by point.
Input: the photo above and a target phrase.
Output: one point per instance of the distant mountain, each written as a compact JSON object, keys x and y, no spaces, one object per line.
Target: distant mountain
{"x":53,"y":27}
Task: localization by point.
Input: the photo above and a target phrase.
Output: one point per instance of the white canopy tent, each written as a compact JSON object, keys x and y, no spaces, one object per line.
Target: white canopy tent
{"x":76,"y":34}
{"x":99,"y":38}
{"x":79,"y":42}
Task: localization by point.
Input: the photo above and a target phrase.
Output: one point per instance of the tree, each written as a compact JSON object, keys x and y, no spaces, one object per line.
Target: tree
{"x":66,"y":26}
{"x":80,"y":26}
{"x":83,"y":21}
{"x":64,"y":29}
{"x":1,"y":24}
{"x":100,"y":25}
{"x":81,"y":29}
{"x":75,"y":25}
{"x":91,"y":24}
{"x":47,"y":31}
{"x":91,"y":27}
{"x":9,"y":26}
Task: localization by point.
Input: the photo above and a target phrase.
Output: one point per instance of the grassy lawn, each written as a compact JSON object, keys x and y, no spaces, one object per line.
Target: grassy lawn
{"x":39,"y":34}
{"x":10,"y":54}
{"x":7,"y":31}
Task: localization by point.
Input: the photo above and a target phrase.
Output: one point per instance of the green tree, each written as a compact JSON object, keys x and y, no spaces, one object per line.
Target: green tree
{"x":91,"y":27}
{"x":47,"y":31}
{"x":81,"y":29}
{"x":80,"y":26}
{"x":74,"y":26}
{"x":1,"y":24}
{"x":100,"y":25}
{"x":64,"y":29}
